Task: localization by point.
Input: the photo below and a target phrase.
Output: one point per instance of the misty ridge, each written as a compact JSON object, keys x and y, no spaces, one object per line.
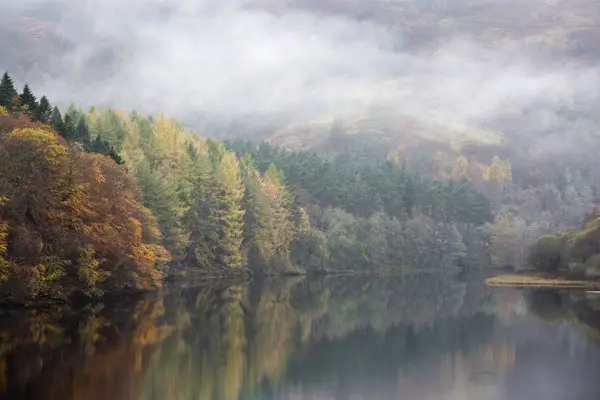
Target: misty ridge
{"x":231,"y":60}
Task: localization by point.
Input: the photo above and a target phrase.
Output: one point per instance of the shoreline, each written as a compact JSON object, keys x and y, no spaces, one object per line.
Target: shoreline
{"x":534,"y":281}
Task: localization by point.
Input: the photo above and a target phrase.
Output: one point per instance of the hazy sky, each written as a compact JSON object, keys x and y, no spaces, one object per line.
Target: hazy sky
{"x":221,"y":57}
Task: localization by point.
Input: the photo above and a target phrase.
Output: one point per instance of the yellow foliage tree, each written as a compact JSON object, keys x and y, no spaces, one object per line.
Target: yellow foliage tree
{"x":460,"y":168}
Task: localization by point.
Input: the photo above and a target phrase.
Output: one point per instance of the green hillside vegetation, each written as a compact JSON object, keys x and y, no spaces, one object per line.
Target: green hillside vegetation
{"x":104,"y":181}
{"x":573,"y":253}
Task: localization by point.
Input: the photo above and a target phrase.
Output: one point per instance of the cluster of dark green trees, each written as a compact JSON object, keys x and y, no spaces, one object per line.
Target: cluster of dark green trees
{"x":363,"y":188}
{"x":72,"y":127}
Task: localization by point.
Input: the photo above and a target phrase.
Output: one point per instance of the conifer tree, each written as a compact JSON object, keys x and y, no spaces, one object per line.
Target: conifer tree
{"x":43,"y":113}
{"x":278,"y":221}
{"x":82,"y":134}
{"x":256,"y":205}
{"x":160,"y":195}
{"x":8,"y":93}
{"x":230,"y":223}
{"x":199,"y":220}
{"x":98,"y":145}
{"x":69,"y":128}
{"x":112,"y":153}
{"x":27,"y":100}
{"x":56,"y":120}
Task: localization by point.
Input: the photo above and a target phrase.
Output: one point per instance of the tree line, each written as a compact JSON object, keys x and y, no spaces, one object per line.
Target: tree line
{"x":72,"y":128}
{"x":73,"y":219}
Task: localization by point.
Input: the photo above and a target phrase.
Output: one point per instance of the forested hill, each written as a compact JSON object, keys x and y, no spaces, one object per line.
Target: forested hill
{"x":101,"y":200}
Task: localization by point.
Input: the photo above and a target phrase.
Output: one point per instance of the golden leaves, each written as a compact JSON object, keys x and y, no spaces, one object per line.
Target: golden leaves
{"x":66,"y":201}
{"x":98,"y":177}
{"x":3,"y":237}
{"x":40,"y":140}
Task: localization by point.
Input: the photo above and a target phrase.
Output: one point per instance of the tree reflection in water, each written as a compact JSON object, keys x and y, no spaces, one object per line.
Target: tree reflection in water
{"x":415,"y":337}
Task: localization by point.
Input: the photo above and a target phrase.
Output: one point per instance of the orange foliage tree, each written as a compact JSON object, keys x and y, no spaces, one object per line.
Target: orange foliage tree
{"x":70,"y":221}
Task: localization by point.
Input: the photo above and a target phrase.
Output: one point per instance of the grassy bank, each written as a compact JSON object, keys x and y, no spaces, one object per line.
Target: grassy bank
{"x":513,"y":280}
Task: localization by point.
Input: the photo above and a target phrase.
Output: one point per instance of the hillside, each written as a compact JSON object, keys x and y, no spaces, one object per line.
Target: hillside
{"x":424,"y":63}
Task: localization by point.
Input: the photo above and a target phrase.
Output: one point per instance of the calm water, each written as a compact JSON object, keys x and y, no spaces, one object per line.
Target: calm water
{"x":415,"y":338}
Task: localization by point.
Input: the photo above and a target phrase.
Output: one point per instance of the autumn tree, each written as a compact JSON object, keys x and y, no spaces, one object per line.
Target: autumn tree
{"x":229,"y":212}
{"x":200,"y":219}
{"x":74,"y":221}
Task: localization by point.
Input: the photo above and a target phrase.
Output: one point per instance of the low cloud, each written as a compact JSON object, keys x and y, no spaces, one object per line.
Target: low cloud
{"x":230,"y":58}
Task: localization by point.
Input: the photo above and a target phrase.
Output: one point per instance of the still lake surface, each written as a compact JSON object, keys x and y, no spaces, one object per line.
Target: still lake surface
{"x":416,"y":337}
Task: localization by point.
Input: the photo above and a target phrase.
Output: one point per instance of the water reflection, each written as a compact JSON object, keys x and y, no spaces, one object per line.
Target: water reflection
{"x":419,"y":337}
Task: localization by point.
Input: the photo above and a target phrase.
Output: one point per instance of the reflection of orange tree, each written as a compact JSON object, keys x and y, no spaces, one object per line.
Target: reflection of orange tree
{"x":92,"y":355}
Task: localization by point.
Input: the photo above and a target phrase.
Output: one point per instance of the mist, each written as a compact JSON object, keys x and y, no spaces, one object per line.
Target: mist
{"x":229,"y":58}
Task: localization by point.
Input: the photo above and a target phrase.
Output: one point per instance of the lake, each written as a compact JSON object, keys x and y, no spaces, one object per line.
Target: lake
{"x":417,"y":337}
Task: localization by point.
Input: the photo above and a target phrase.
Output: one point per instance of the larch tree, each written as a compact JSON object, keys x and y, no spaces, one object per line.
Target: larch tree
{"x":200,"y":202}
{"x":161,"y":196}
{"x":279,"y":221}
{"x":230,"y":222}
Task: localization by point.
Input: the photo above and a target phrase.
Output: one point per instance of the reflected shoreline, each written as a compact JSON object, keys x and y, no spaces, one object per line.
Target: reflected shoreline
{"x":420,"y":336}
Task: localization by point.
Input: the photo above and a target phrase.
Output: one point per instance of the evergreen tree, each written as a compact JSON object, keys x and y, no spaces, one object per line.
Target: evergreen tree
{"x":27,"y":100}
{"x":112,"y":153}
{"x":56,"y":120}
{"x":8,"y":93}
{"x":97,"y":145}
{"x":409,"y":197}
{"x":43,"y":112}
{"x":82,"y":134}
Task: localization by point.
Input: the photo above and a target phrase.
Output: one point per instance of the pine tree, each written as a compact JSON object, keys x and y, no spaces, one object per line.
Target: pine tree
{"x":8,"y":93}
{"x":112,"y":153}
{"x":97,"y":145}
{"x":69,"y":128}
{"x":43,"y":112}
{"x":56,"y":120}
{"x":82,"y":134}
{"x":27,"y":100}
